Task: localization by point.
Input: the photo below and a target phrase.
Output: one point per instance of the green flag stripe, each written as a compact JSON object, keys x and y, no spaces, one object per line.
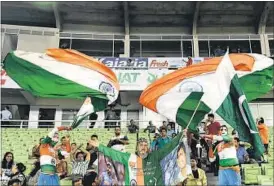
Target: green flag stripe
{"x":230,"y":112}
{"x":188,"y":107}
{"x":258,"y":83}
{"x":45,"y":84}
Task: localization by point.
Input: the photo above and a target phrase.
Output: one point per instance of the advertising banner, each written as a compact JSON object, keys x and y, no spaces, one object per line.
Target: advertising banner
{"x":172,"y":63}
{"x":128,"y":79}
{"x":124,"y":63}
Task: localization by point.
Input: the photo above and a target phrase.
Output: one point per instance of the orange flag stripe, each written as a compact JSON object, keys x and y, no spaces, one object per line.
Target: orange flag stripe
{"x":149,"y":97}
{"x":76,"y":58}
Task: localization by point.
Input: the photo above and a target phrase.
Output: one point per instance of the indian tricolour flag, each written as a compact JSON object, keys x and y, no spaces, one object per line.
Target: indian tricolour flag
{"x":178,"y":94}
{"x":62,"y":73}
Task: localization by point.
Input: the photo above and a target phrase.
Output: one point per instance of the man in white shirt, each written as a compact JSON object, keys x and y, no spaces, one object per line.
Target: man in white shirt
{"x":118,"y":141}
{"x":6,"y":116}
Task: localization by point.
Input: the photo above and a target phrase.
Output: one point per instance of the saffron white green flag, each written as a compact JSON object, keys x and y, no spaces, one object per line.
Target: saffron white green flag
{"x":177,"y":94}
{"x":227,"y":98}
{"x":62,"y":73}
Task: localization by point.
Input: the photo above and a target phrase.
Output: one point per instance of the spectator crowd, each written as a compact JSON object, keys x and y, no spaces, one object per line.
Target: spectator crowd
{"x":79,"y":162}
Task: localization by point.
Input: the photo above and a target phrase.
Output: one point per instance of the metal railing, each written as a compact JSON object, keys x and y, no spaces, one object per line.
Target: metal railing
{"x":85,"y":124}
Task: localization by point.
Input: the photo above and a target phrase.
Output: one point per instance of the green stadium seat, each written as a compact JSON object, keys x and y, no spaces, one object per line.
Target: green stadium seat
{"x":250,"y":174}
{"x":264,"y":178}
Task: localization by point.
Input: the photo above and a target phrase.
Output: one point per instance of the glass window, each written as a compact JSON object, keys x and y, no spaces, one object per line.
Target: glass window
{"x":118,"y":48}
{"x":65,"y":43}
{"x":68,"y":114}
{"x":135,"y":49}
{"x":256,"y":46}
{"x":203,"y":49}
{"x":162,"y":49}
{"x":100,"y":48}
{"x":187,"y":49}
{"x":271,"y":47}
{"x":218,"y":48}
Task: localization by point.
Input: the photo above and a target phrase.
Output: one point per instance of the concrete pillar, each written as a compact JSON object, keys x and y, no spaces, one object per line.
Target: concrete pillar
{"x":267,"y":48}
{"x":58,"y":117}
{"x":195,"y":46}
{"x":127,"y":46}
{"x":33,"y":116}
{"x":123,"y":117}
{"x":262,"y":42}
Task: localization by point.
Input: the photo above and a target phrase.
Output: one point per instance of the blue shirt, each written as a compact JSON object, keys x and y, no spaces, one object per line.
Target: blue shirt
{"x":162,"y":141}
{"x":170,"y":132}
{"x":241,"y":153}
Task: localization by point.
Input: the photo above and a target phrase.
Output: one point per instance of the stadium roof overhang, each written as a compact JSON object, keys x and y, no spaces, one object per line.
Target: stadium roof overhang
{"x":144,"y":17}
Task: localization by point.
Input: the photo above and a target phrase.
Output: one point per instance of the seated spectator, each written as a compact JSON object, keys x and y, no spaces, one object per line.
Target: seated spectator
{"x":163,"y":140}
{"x":151,"y":128}
{"x":198,"y":176}
{"x":61,"y":167}
{"x":74,"y":150}
{"x":80,"y":165}
{"x":174,"y":135}
{"x":34,"y":174}
{"x":170,"y":131}
{"x":18,"y":174}
{"x":132,"y":127}
{"x":242,"y":155}
{"x":90,"y":177}
{"x":118,"y":141}
{"x":93,"y":151}
{"x":7,"y":163}
{"x":107,"y":177}
{"x":36,"y":149}
{"x":153,"y":145}
{"x":65,"y":144}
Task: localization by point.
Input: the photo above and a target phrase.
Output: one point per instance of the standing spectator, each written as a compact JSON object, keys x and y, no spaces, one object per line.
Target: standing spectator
{"x":198,"y":176}
{"x":93,"y":117}
{"x":111,"y":115}
{"x":213,"y":128}
{"x":18,"y":173}
{"x":151,"y":128}
{"x":163,"y":125}
{"x":229,"y":173}
{"x":170,"y":131}
{"x":6,"y":116}
{"x":242,"y":155}
{"x":80,"y":165}
{"x":36,"y":149}
{"x":48,"y":174}
{"x":132,"y":127}
{"x":153,"y":145}
{"x":212,"y":125}
{"x":263,"y":131}
{"x":93,"y":151}
{"x":164,"y":139}
{"x":118,"y":141}
{"x":7,"y":163}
